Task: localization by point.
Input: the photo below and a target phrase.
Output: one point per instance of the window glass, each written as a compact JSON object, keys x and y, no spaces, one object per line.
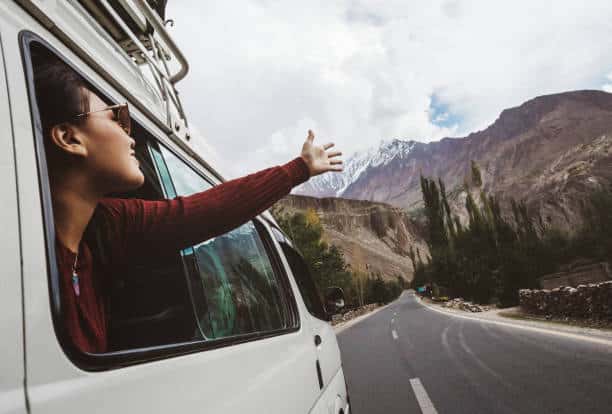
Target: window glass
{"x":236,"y":290}
{"x":186,"y":181}
{"x":162,"y":170}
{"x":306,"y":285}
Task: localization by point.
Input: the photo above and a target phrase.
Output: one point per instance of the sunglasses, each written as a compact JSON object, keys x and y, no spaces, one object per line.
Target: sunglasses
{"x":121,"y":115}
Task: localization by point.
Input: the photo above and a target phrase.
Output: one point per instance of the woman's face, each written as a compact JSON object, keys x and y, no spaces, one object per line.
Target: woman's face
{"x":110,"y":159}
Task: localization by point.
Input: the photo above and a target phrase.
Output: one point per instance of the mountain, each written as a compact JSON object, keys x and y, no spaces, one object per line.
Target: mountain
{"x":335,"y":185}
{"x":375,"y":234}
{"x":551,"y":151}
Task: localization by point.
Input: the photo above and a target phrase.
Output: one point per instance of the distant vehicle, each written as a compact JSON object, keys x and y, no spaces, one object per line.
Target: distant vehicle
{"x":233,"y":325}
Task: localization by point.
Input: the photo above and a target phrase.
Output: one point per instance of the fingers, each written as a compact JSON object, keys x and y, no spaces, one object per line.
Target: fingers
{"x":328,"y":146}
{"x":310,"y":136}
{"x":336,"y":168}
{"x":334,"y":154}
{"x":334,"y":162}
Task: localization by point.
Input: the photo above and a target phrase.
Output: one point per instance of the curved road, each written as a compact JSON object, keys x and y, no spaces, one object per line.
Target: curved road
{"x":407,"y":358}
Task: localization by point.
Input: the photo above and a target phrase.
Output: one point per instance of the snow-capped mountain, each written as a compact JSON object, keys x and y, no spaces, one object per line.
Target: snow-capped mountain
{"x":335,"y":185}
{"x":551,"y":152}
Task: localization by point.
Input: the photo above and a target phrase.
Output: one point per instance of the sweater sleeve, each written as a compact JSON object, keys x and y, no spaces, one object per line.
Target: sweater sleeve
{"x":152,"y":227}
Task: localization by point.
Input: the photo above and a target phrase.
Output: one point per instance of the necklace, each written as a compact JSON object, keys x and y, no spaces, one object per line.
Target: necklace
{"x":75,"y":276}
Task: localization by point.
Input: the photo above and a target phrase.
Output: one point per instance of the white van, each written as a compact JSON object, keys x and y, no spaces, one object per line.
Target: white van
{"x":232,"y":325}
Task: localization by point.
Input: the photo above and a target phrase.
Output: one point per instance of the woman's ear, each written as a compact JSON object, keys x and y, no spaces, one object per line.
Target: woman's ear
{"x":66,"y":139}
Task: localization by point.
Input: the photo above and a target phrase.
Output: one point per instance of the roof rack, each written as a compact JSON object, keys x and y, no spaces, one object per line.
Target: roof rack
{"x":143,"y":36}
{"x":139,"y":31}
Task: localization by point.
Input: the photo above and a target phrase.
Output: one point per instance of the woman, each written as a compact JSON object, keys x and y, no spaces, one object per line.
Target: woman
{"x":90,"y":155}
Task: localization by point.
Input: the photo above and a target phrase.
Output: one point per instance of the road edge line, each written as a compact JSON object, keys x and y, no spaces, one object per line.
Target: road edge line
{"x":355,"y":321}
{"x":600,"y":341}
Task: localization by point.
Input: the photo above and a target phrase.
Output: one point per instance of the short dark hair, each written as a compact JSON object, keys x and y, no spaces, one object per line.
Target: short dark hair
{"x":60,"y":91}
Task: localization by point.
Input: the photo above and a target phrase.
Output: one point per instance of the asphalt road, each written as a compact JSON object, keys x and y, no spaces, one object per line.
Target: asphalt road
{"x":407,"y":358}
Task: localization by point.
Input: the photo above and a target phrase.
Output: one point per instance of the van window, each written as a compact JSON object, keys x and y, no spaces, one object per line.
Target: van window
{"x":146,"y":300}
{"x":237,"y":290}
{"x":306,"y":284}
{"x":173,"y":302}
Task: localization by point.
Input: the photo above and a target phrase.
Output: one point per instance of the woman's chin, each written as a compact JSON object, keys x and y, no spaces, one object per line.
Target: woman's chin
{"x":130,"y":180}
{"x":139,"y":180}
{"x":134,"y":182}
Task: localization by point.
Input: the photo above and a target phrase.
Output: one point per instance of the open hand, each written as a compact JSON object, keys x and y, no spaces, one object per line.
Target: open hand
{"x":318,"y":159}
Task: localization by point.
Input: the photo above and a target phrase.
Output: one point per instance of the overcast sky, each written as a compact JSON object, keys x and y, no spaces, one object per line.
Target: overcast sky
{"x":263,"y":72}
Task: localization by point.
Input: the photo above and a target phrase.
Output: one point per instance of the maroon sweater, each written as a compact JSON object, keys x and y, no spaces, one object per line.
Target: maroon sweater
{"x":139,"y":226}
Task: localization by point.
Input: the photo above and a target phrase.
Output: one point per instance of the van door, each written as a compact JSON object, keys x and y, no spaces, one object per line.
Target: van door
{"x":323,"y":335}
{"x":327,"y":349}
{"x":12,"y":374}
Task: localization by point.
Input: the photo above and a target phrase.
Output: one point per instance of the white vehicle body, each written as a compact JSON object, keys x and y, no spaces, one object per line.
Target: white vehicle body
{"x":267,"y":374}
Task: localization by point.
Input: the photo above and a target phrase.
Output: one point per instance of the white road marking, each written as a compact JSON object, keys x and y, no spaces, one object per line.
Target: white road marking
{"x":392,"y":320}
{"x":468,"y":373}
{"x":425,"y":403}
{"x":444,"y":337}
{"x":394,"y":334}
{"x":479,"y":361}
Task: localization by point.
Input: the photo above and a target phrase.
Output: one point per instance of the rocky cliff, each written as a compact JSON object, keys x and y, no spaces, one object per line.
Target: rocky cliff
{"x":374,"y":234}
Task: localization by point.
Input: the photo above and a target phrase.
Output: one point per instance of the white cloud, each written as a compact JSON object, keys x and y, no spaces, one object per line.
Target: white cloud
{"x":263,"y":72}
{"x":608,"y":86}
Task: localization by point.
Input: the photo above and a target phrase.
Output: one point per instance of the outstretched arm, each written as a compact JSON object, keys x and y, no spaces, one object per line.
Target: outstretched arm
{"x":155,"y":226}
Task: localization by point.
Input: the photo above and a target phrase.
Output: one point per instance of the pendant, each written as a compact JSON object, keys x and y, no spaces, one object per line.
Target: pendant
{"x":75,"y":283}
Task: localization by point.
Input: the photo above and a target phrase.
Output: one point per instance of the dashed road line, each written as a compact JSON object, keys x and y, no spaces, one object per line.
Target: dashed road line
{"x":423,"y":399}
{"x":394,"y":334}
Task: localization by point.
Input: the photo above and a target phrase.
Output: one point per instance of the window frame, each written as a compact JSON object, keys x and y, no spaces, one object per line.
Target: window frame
{"x":281,"y":238}
{"x":265,"y":236}
{"x":118,"y":359}
{"x":277,"y":264}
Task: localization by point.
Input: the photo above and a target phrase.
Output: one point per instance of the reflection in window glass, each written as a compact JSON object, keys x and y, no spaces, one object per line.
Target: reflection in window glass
{"x":235,"y":291}
{"x":241,"y":289}
{"x":306,"y":284}
{"x":186,"y":181}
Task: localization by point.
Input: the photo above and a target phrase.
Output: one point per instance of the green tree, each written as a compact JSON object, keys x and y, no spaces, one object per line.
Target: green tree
{"x":326,"y":263}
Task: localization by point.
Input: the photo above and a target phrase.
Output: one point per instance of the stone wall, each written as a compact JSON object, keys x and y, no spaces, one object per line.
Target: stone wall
{"x":459,"y":303}
{"x":592,"y":301}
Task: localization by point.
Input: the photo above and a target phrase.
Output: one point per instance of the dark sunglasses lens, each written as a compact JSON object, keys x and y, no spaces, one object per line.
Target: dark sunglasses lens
{"x":123,"y":117}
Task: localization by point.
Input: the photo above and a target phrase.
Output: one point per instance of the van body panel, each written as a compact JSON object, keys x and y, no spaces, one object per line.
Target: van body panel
{"x":328,"y":351}
{"x":333,"y":400}
{"x":12,"y":374}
